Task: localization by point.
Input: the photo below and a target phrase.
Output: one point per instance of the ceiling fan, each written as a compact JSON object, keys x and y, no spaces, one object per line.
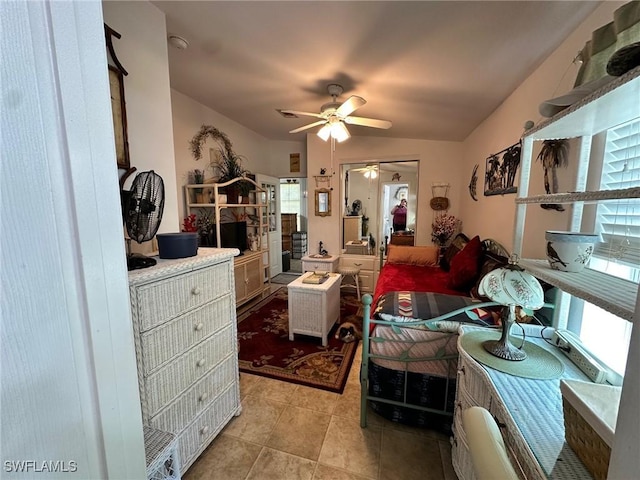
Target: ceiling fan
{"x":334,"y":115}
{"x":370,"y":171}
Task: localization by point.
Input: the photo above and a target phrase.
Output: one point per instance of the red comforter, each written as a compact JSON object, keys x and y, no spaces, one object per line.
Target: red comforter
{"x":397,"y":277}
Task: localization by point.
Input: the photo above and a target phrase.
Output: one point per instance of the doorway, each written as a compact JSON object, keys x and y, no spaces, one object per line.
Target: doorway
{"x":392,"y":193}
{"x":293,"y":208}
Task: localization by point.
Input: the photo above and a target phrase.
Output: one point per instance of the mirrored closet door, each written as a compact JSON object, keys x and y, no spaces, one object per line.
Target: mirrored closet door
{"x":368,"y":194}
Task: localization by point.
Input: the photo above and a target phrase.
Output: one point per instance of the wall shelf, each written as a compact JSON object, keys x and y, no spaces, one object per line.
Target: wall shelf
{"x":610,"y":293}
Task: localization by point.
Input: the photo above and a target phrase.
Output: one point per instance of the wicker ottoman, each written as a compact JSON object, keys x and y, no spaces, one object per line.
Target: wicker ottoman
{"x":161,"y":449}
{"x":313,"y":309}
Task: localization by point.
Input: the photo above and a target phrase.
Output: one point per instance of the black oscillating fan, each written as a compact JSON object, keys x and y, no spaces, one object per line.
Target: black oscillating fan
{"x":142,"y":208}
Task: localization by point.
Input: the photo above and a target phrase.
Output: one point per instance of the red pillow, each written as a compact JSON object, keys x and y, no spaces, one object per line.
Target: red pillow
{"x":465,"y":266}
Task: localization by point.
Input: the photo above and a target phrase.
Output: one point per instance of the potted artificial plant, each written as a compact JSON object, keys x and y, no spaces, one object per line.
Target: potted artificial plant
{"x":228,"y":163}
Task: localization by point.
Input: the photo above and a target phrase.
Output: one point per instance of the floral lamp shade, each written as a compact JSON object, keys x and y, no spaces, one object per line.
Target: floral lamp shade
{"x":512,"y":287}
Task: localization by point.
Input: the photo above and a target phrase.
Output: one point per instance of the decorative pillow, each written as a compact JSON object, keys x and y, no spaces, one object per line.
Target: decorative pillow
{"x":405,"y":307}
{"x":466,"y":265}
{"x":421,"y":256}
{"x":454,"y":248}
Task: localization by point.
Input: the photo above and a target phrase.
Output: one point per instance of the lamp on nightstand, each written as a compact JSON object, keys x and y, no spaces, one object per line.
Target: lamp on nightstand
{"x":512,"y":287}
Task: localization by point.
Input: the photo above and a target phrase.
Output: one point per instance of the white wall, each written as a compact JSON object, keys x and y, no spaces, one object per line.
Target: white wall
{"x":260,"y":154}
{"x":439,"y":162}
{"x":493,"y":216}
{"x":279,"y":159}
{"x":142,"y":50}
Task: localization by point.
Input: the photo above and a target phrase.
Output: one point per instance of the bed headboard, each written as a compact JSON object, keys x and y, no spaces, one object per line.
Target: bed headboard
{"x":492,"y":246}
{"x":488,"y":245}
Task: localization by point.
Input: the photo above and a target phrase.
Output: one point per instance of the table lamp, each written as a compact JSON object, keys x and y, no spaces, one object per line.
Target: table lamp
{"x":512,"y":287}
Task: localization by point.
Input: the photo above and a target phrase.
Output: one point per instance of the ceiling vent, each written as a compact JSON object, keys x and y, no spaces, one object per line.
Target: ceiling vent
{"x":286,"y":114}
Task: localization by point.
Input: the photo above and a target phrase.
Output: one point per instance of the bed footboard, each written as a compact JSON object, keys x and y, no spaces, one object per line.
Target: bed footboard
{"x":420,"y":364}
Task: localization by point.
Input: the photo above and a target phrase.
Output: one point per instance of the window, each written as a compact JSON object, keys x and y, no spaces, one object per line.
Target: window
{"x":291,"y":200}
{"x":618,"y":224}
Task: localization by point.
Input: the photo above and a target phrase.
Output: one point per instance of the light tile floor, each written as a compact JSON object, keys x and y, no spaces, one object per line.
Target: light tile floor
{"x":293,"y":432}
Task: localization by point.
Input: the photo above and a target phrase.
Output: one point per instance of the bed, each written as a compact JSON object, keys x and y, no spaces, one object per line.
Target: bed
{"x":410,"y":325}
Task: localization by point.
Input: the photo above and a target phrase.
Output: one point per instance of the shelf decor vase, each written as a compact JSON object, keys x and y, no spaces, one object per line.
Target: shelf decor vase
{"x":569,"y":251}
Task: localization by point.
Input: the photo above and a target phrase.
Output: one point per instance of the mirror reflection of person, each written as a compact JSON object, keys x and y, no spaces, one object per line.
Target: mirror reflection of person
{"x":399,"y":213}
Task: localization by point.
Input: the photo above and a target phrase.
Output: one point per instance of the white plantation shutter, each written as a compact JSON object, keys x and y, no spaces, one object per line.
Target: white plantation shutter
{"x":619,"y":222}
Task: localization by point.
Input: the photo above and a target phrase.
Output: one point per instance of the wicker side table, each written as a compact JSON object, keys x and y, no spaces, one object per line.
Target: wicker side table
{"x":161,"y":452}
{"x":313,"y":309}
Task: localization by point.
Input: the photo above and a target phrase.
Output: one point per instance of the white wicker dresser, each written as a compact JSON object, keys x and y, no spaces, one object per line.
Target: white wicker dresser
{"x":528,"y":412}
{"x":184,"y":323}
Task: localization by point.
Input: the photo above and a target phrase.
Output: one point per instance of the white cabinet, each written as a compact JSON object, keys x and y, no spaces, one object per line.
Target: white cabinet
{"x":329,"y":263}
{"x":184,"y":323}
{"x":248,"y":279}
{"x":368,"y":265}
{"x":616,"y":103}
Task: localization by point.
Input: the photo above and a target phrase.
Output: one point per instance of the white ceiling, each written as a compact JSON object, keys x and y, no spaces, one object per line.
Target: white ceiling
{"x":435,"y":69}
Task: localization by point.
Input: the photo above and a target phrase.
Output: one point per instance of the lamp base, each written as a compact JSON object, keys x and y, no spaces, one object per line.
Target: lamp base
{"x":503,"y":349}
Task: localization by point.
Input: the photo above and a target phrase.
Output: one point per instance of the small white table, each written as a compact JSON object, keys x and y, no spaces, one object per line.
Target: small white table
{"x":313,"y":309}
{"x":313,"y":263}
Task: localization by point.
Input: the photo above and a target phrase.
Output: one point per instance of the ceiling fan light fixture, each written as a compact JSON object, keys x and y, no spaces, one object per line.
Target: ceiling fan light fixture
{"x":339,"y":132}
{"x":370,"y":174}
{"x":325,"y":132}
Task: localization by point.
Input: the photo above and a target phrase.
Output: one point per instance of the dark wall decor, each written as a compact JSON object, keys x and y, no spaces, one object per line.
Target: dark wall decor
{"x":118,"y":106}
{"x":501,"y":170}
{"x":473,"y":182}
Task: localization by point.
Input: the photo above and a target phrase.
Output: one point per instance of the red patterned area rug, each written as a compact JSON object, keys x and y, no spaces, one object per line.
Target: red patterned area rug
{"x":265,"y":348}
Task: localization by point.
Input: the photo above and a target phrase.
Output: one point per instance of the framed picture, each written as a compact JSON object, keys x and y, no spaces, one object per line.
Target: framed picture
{"x":294,"y":162}
{"x":501,"y":170}
{"x":116,"y":84}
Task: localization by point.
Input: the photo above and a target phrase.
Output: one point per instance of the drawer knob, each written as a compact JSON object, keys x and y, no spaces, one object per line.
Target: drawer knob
{"x":200,"y":362}
{"x":203,"y":397}
{"x":195,"y":291}
{"x":358,"y":264}
{"x":199,"y":326}
{"x":204,"y":430}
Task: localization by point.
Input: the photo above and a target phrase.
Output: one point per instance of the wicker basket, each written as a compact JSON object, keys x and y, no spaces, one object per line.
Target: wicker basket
{"x":590,"y":414}
{"x":585,"y":442}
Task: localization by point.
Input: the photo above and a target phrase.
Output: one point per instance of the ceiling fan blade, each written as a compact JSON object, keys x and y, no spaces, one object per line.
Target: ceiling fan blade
{"x":306,"y":114}
{"x":311,"y":125}
{"x":368,"y":122}
{"x":351,"y":104}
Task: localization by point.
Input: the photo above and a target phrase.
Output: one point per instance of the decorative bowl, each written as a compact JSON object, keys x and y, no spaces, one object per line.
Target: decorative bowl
{"x":569,"y":251}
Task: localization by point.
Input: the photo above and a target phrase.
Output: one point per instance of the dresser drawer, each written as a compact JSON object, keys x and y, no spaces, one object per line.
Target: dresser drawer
{"x":364,"y":263}
{"x":165,"y":384}
{"x":198,"y":435}
{"x":157,"y":302}
{"x":197,"y":398}
{"x":366,"y":280}
{"x":180,"y":334}
{"x":472,"y":381}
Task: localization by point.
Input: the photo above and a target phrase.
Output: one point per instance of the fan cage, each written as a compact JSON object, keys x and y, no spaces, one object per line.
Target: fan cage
{"x":146,"y":205}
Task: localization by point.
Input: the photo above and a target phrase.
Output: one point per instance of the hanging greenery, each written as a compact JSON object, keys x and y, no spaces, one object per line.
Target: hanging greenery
{"x":228,"y":164}
{"x":196,"y":143}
